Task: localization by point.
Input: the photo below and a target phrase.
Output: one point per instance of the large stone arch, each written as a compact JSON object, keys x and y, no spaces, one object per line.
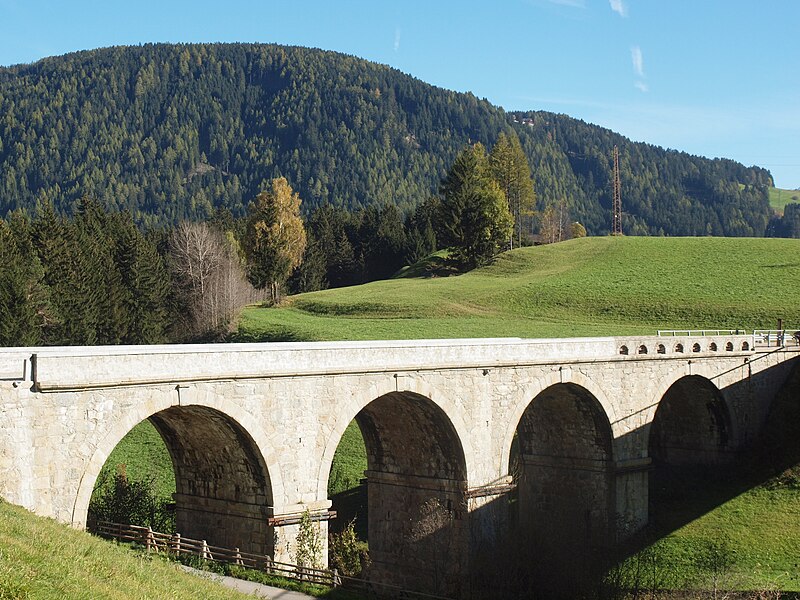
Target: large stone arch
{"x":225,"y":484}
{"x":706,"y":369}
{"x":691,"y":423}
{"x":525,"y":396}
{"x":564,"y":470}
{"x":358,"y":400}
{"x":416,"y":484}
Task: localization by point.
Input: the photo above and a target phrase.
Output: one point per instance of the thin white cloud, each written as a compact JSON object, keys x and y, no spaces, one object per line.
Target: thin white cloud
{"x":571,"y":3}
{"x":618,"y":6}
{"x":397,"y":39}
{"x":641,"y":86}
{"x":638,"y":62}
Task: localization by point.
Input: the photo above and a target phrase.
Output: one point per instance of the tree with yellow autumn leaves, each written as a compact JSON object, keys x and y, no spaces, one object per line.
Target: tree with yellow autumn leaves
{"x":275,"y":237}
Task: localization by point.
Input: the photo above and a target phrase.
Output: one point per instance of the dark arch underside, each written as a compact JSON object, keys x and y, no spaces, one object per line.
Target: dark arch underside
{"x":416,"y":487}
{"x":223,"y":488}
{"x":691,"y":426}
{"x":564,"y":471}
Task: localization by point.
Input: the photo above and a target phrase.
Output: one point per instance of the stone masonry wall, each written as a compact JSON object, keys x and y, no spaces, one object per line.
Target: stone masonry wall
{"x":285,"y":407}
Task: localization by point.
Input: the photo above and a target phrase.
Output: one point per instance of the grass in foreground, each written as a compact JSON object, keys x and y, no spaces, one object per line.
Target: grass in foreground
{"x":751,"y":542}
{"x":40,"y":558}
{"x":585,"y":287}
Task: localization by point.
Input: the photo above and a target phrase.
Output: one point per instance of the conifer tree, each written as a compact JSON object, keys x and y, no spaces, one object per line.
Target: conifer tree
{"x":104,"y":294}
{"x":510,"y":169}
{"x":311,"y":275}
{"x":145,"y":278}
{"x":73,"y":315}
{"x":24,"y":299}
{"x":329,"y":226}
{"x":473,"y":219}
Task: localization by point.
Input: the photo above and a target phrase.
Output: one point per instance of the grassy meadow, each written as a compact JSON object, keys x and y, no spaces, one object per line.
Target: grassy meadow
{"x":584,"y":287}
{"x":779,"y":198}
{"x":42,"y":559}
{"x":140,"y":451}
{"x":748,"y":541}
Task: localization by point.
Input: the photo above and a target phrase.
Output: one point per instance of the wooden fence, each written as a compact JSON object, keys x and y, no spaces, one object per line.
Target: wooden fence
{"x":176,"y":545}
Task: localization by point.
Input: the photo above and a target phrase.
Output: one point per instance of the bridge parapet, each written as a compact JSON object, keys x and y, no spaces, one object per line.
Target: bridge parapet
{"x":674,"y":344}
{"x":75,"y":368}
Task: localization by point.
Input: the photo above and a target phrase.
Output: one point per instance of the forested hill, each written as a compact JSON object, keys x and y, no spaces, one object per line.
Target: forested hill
{"x":172,"y":132}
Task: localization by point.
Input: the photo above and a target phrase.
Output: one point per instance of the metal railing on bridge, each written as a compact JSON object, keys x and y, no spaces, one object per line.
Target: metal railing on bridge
{"x":776,"y":338}
{"x":700,"y":332}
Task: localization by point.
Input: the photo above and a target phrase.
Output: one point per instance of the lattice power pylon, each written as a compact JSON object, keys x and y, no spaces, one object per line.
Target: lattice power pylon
{"x":616,"y":208}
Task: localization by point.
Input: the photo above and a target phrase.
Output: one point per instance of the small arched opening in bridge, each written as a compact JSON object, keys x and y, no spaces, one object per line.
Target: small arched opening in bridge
{"x":690,"y":441}
{"x":416,"y":506}
{"x":679,"y":348}
{"x":642,"y":349}
{"x":729,"y":347}
{"x":562,"y":462}
{"x":193,"y":470}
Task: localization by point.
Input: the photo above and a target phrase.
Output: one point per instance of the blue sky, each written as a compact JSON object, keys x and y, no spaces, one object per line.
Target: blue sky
{"x":711,"y":77}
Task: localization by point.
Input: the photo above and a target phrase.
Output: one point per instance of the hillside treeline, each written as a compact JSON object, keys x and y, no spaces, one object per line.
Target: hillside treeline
{"x":176,"y":132}
{"x":95,"y":278}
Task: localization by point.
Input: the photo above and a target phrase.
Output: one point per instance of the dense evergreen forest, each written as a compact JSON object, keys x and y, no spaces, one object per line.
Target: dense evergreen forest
{"x":175,"y":132}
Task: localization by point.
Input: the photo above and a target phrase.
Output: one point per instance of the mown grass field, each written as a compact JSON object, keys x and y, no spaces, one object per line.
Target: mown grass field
{"x":42,"y":559}
{"x":584,"y":287}
{"x":779,"y":198}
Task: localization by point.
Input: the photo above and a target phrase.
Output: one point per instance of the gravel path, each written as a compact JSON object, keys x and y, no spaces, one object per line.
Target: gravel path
{"x":259,"y":590}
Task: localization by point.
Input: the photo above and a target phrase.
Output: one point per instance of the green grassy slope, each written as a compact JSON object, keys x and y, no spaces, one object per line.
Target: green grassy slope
{"x":584,"y":287}
{"x":349,"y":461}
{"x":779,"y":198}
{"x":754,"y":535}
{"x":40,"y":558}
{"x":140,"y":451}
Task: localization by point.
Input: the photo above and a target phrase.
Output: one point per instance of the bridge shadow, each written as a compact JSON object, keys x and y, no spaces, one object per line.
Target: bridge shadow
{"x":556,"y":534}
{"x":699,"y":463}
{"x":684,"y":488}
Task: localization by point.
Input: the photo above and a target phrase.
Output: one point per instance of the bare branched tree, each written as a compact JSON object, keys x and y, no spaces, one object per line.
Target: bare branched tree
{"x":211,"y":279}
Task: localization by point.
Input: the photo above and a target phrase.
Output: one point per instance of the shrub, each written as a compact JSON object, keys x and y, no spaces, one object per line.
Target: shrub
{"x":348,"y":554}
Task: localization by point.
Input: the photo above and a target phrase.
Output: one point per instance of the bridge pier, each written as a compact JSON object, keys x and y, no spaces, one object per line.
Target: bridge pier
{"x":418,"y":532}
{"x":284,"y":523}
{"x":632,"y":496}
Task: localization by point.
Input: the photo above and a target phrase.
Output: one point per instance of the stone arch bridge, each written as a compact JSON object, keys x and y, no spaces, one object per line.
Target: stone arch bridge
{"x":568,"y":428}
